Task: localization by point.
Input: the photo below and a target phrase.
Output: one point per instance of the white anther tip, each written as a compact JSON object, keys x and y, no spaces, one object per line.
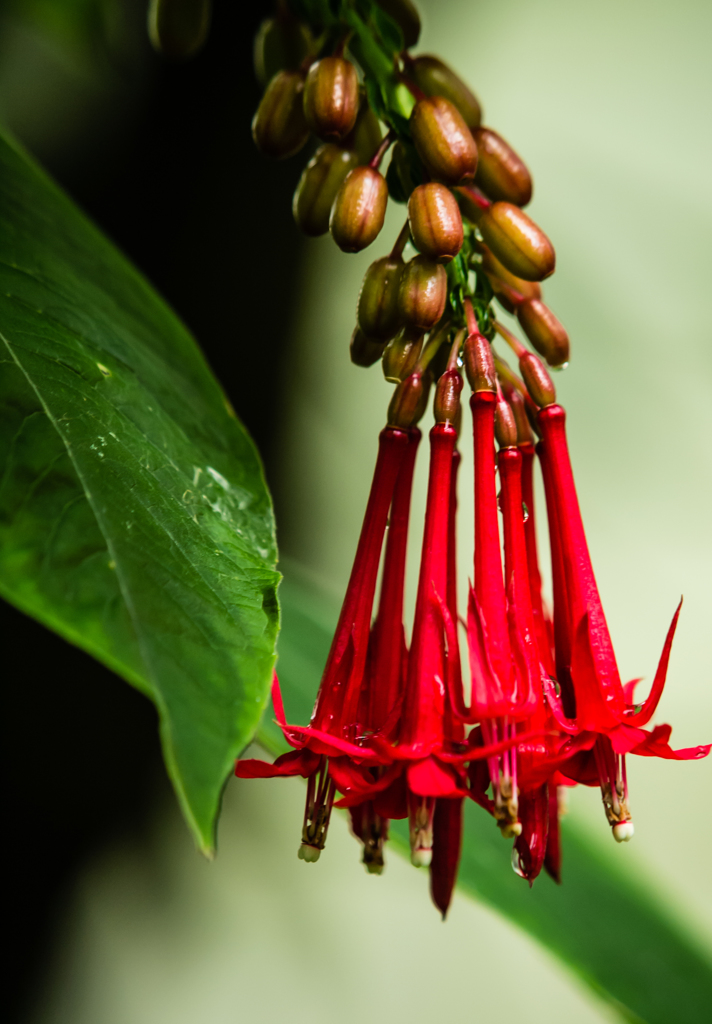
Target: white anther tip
{"x":624,"y":831}
{"x":310,"y":854}
{"x":421,"y":858}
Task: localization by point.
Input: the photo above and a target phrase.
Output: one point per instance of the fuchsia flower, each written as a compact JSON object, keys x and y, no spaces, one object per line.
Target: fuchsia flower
{"x":594,"y":708}
{"x":392,"y":734}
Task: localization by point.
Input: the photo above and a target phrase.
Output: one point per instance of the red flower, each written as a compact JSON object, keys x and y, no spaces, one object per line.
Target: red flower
{"x":335,"y":744}
{"x":593,"y":706}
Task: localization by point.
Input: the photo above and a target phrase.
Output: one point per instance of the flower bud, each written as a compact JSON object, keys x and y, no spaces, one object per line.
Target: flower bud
{"x":546,"y":333}
{"x":435,"y":221}
{"x":278,"y":127}
{"x":378,"y":310}
{"x":505,"y":426}
{"x":447,"y":397}
{"x":281,"y":44}
{"x":359,"y":209}
{"x":331,"y":98}
{"x":365,"y":351}
{"x":539,"y":384}
{"x":509,"y":289}
{"x":516,"y":404}
{"x":405,"y":15}
{"x":410,"y":400}
{"x":321,"y":179}
{"x":479,"y":363}
{"x":436,"y":79}
{"x":423,"y":293}
{"x":516,"y":240}
{"x":365,"y":136}
{"x":501,"y":173}
{"x":178,"y":28}
{"x":443,"y":140}
{"x":401,"y":355}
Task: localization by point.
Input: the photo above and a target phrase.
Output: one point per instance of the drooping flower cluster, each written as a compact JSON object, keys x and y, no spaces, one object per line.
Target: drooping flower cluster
{"x":406,"y":728}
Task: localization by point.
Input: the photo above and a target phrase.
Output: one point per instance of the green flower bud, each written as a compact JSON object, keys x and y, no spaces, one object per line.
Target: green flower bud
{"x":436,"y":79}
{"x":401,"y":355}
{"x":331,"y":98}
{"x":546,"y":333}
{"x":318,"y":186}
{"x":539,"y":384}
{"x":509,"y":289}
{"x":405,"y":15}
{"x":435,"y":221}
{"x":278,"y":127}
{"x":281,"y":44}
{"x":518,"y":242}
{"x":365,"y":351}
{"x":423,"y":293}
{"x":501,"y":173}
{"x":178,"y":28}
{"x":378,"y":310}
{"x":359,"y":209}
{"x":443,"y":140}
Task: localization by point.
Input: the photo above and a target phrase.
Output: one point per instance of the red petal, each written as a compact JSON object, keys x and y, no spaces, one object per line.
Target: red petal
{"x":428,"y":778}
{"x":656,"y":690}
{"x":530,"y":846}
{"x":447,"y":842}
{"x":296,"y":762}
{"x":656,"y":745}
{"x":552,"y":859}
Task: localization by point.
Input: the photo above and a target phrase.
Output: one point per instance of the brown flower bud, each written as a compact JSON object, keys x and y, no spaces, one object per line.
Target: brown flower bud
{"x":321,"y":179}
{"x":359,"y":209}
{"x":443,"y":140}
{"x":539,"y":384}
{"x":501,"y":173}
{"x":278,"y":127}
{"x":479,"y":363}
{"x":405,"y":15}
{"x":446,"y":406}
{"x":365,"y":351}
{"x":401,"y":355}
{"x":505,"y":426}
{"x":516,"y":404}
{"x":365,"y":136}
{"x":516,"y":240}
{"x":409,"y":401}
{"x":178,"y":28}
{"x":435,"y":221}
{"x":423,"y":293}
{"x":378,"y":310}
{"x":509,"y":289}
{"x":436,"y":79}
{"x":281,"y":44}
{"x":546,"y":333}
{"x":331,"y":98}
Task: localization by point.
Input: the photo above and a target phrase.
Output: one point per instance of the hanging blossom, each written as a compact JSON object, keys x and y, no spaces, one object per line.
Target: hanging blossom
{"x":400,"y":728}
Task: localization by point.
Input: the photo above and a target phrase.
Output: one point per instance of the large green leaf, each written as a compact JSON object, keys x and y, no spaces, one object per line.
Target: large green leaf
{"x":134,"y":516}
{"x":601,"y":922}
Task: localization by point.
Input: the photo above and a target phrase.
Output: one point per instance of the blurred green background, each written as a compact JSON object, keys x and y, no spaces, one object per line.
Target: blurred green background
{"x":609,"y":104}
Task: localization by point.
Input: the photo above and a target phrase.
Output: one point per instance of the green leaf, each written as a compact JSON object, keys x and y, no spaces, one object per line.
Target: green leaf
{"x":134,"y":516}
{"x":601,"y":922}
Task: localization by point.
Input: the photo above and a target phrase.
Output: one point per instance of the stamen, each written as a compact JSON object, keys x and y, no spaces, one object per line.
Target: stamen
{"x":422,"y":809}
{"x":317,"y":813}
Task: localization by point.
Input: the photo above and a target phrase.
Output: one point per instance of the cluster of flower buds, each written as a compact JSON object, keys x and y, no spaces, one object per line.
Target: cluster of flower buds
{"x":399,"y":729}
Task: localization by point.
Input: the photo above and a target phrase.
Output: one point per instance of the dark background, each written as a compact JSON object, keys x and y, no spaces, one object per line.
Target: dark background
{"x":173,"y":178}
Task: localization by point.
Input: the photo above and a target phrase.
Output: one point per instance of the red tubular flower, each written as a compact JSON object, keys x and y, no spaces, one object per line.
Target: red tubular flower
{"x":332,"y":749}
{"x":593,"y":708}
